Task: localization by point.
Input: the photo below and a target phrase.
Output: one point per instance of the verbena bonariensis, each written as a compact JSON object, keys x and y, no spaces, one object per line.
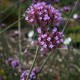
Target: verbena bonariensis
{"x":66,"y":8}
{"x":49,"y":40}
{"x":47,"y":1}
{"x":33,"y":75}
{"x":13,"y":63}
{"x":42,"y":14}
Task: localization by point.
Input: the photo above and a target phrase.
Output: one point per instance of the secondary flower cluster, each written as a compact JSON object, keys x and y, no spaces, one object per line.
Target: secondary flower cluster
{"x":42,"y":14}
{"x":49,"y":40}
{"x":66,"y":8}
{"x":12,"y":62}
{"x":33,"y":74}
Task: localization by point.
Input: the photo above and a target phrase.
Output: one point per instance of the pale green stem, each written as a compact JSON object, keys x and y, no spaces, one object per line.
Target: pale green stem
{"x":45,"y":61}
{"x":10,"y":25}
{"x":19,"y":28}
{"x":9,"y":7}
{"x":8,"y":14}
{"x":4,"y":44}
{"x":70,"y":15}
{"x":33,"y":62}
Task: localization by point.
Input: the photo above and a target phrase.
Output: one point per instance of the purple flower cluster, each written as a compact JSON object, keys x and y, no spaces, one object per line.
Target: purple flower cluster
{"x":33,"y":74}
{"x":47,"y":1}
{"x":42,"y":14}
{"x":1,"y":78}
{"x":12,"y":62}
{"x":66,"y":8}
{"x":55,"y":1}
{"x":49,"y":40}
{"x":45,"y":15}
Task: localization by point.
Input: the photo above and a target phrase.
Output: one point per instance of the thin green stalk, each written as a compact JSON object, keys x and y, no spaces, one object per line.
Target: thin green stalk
{"x":10,"y":25}
{"x":53,"y":60}
{"x":45,"y":61}
{"x":9,"y":7}
{"x":8,"y":14}
{"x":70,"y":15}
{"x":19,"y":28}
{"x":1,"y":45}
{"x":4,"y":45}
{"x":33,"y":62}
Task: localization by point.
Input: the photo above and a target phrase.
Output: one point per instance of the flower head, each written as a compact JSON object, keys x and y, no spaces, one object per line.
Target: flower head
{"x":66,"y":8}
{"x":9,"y":60}
{"x":13,"y":63}
{"x":52,"y":39}
{"x":32,"y":75}
{"x":42,"y":14}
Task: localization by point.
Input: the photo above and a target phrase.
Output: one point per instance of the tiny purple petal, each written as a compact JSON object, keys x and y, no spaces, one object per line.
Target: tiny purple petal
{"x":39,"y":38}
{"x":56,"y":38}
{"x":41,"y":49}
{"x":51,"y":46}
{"x":39,"y":30}
{"x":46,"y":17}
{"x":26,"y":18}
{"x":42,"y":43}
{"x":44,"y":35}
{"x":49,"y":38}
{"x":54,"y":30}
{"x":61,"y":40}
{"x":31,"y":20}
{"x":45,"y":46}
{"x":58,"y":42}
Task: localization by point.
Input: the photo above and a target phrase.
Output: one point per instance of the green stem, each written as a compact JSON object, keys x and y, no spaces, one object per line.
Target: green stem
{"x":19,"y":28}
{"x":52,"y":60}
{"x":33,"y":62}
{"x":45,"y":61}
{"x":4,"y":44}
{"x":9,"y":7}
{"x":8,"y":14}
{"x":70,"y":15}
{"x":10,"y":25}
